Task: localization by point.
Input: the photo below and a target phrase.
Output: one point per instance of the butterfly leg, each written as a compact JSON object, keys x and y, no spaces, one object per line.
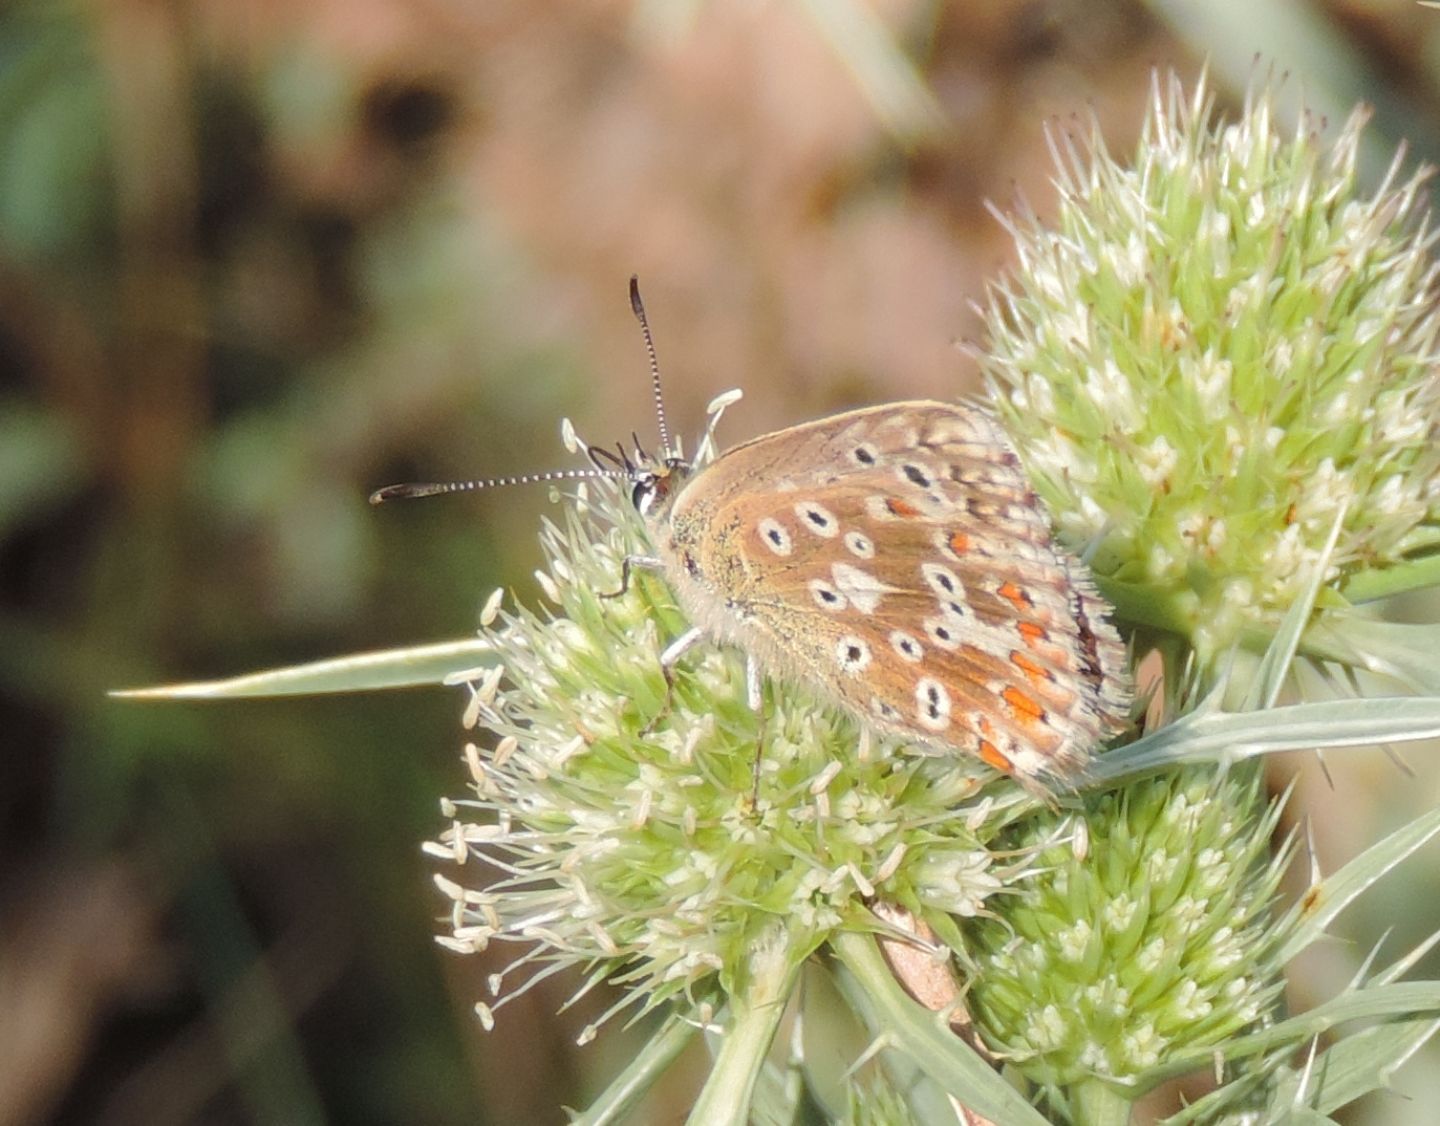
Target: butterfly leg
{"x":668,"y":658}
{"x":755,"y":697}
{"x":632,"y":563}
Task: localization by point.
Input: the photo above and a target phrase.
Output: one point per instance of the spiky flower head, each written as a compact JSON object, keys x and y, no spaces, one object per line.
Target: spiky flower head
{"x":1219,"y":356}
{"x":1148,"y":944}
{"x":1212,"y":355}
{"x":617,"y":830}
{"x":1217,"y":362}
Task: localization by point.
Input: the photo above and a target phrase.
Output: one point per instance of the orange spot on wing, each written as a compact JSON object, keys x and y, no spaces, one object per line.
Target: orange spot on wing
{"x":1035,"y":671}
{"x":959,"y":543}
{"x":1032,"y":632}
{"x":1027,"y":707}
{"x":990,"y":754}
{"x":899,"y":507}
{"x":1014,"y":595}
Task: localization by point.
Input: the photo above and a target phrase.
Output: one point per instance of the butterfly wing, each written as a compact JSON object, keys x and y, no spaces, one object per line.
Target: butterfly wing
{"x":897,"y":559}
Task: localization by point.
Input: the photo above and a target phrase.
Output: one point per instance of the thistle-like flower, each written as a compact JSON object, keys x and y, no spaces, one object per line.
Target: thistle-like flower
{"x":644,"y":825}
{"x":1217,"y":352}
{"x":616,"y":820}
{"x":1152,"y":941}
{"x":1217,"y":372}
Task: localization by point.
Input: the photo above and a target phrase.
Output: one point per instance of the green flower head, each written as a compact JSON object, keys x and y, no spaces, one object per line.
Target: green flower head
{"x":617,"y":824}
{"x":1213,"y":355}
{"x":1148,"y":943}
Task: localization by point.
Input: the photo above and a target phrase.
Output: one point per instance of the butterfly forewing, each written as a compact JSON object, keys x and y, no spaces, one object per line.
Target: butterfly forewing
{"x":897,"y":560}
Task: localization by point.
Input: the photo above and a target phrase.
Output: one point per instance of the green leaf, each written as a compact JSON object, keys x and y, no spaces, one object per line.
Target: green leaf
{"x":360,"y":672}
{"x":1321,"y":904}
{"x":1383,"y":582}
{"x":1403,"y":1001}
{"x":1366,"y":1060}
{"x":1402,"y":651}
{"x":1209,"y":735}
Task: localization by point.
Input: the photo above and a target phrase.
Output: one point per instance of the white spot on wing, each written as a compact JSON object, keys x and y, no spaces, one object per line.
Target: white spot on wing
{"x":942,"y":632}
{"x":826,"y":596}
{"x":818,"y":519}
{"x":932,"y":704}
{"x":942,"y":581}
{"x":862,"y":588}
{"x":853,"y":654}
{"x":864,"y":454}
{"x":882,"y":709}
{"x":878,"y":508}
{"x":907,"y":646}
{"x":861,"y":546}
{"x":959,"y":613}
{"x":774,"y":536}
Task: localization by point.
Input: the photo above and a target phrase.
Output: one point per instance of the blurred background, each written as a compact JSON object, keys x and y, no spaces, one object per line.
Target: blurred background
{"x":257,"y":259}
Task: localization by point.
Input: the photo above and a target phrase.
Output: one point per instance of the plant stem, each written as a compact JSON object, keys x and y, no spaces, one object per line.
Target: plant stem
{"x":755,"y":1013}
{"x":632,"y":1084}
{"x":920,"y":1034}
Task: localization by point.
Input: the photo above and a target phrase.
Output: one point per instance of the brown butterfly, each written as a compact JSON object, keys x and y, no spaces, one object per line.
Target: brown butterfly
{"x":896,"y":560}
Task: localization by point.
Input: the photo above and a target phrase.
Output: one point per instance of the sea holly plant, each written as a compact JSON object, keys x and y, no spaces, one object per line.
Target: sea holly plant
{"x":1213,"y":353}
{"x":1216,"y":363}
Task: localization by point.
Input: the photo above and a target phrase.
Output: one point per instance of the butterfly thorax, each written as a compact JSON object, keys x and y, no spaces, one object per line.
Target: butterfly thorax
{"x":710,"y":574}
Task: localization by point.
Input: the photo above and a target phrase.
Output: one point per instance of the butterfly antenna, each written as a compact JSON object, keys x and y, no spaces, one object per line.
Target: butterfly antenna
{"x":411,"y":490}
{"x":638,"y":307}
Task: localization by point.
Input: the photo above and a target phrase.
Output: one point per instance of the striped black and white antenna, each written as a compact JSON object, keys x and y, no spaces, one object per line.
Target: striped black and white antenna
{"x":411,"y":489}
{"x":604,"y":462}
{"x":637,"y":306}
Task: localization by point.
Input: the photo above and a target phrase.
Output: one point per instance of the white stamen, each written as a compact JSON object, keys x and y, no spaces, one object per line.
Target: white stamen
{"x":491,"y":610}
{"x":547,"y":584}
{"x":891,"y":864}
{"x":826,"y":776}
{"x":723,"y":401}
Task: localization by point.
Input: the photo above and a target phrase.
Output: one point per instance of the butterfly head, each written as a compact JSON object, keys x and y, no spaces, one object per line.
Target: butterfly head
{"x":655,"y":479}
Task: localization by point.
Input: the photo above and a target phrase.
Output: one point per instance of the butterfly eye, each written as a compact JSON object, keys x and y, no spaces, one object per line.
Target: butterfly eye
{"x":650,"y":489}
